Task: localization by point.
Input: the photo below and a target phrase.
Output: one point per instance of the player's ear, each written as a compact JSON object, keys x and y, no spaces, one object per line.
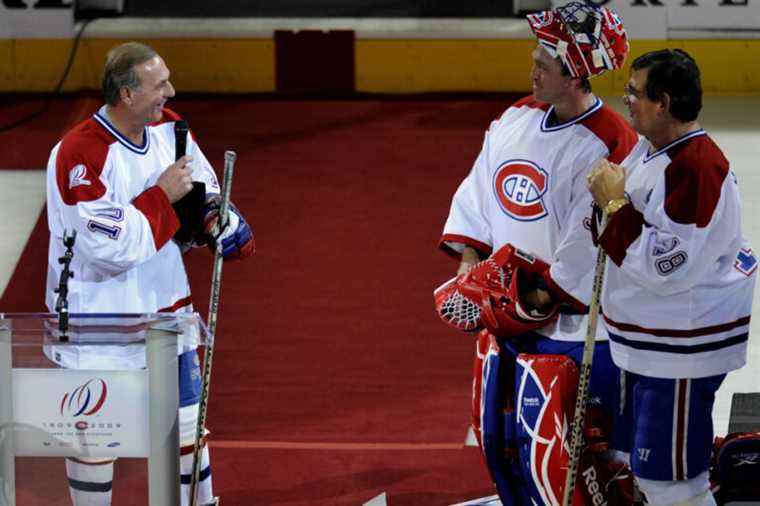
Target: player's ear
{"x":125,"y":93}
{"x":665,"y":102}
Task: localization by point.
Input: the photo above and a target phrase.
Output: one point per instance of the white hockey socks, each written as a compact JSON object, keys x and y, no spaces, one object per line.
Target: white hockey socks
{"x":205,"y":493}
{"x":693,"y":492}
{"x":705,"y":499}
{"x":90,"y":481}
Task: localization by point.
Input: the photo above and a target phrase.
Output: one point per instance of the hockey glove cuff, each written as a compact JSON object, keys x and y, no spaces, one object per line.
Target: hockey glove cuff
{"x":236,"y":238}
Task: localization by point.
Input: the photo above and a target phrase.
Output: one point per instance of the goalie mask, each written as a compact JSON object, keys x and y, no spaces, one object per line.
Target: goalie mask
{"x":489,"y":295}
{"x":587,"y":39}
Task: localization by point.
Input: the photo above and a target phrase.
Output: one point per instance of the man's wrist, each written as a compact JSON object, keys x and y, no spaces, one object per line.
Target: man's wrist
{"x":464,"y":267}
{"x":614,"y":205}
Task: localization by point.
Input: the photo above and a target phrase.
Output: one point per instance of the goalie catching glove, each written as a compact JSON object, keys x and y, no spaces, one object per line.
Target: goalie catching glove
{"x":491,"y":295}
{"x":236,"y":238}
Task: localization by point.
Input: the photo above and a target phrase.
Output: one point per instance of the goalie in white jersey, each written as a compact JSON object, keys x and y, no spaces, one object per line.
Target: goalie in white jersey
{"x":680,"y":277}
{"x":113,"y":179}
{"x":527,"y":189}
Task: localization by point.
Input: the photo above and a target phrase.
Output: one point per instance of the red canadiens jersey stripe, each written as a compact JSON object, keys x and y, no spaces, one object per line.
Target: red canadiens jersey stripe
{"x":531,"y":102}
{"x":612,"y":129}
{"x":622,"y":230}
{"x":483,"y":249}
{"x":80,"y":161}
{"x":155,"y":205}
{"x":169,"y":116}
{"x":694,"y":181}
{"x":184,"y":302}
{"x":703,"y":331}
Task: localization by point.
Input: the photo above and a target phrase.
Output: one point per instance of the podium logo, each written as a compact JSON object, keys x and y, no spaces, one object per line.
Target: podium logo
{"x":85,"y":400}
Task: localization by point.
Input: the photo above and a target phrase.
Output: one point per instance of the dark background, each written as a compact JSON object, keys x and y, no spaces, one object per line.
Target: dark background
{"x":319,"y":8}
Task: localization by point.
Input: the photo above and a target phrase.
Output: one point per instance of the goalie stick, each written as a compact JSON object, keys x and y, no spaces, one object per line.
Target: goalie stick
{"x":213,"y":312}
{"x":579,"y":415}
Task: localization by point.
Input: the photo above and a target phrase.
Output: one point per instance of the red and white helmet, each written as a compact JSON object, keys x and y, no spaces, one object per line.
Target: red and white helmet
{"x":587,"y":39}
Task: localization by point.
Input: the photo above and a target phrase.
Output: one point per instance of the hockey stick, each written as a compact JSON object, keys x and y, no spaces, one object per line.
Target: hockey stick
{"x":579,"y":416}
{"x":213,"y":312}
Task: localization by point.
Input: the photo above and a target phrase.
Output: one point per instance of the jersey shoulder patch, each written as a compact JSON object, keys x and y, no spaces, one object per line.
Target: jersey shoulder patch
{"x":614,"y":131}
{"x":694,"y":180}
{"x":531,"y":102}
{"x":746,"y":261}
{"x":80,"y":161}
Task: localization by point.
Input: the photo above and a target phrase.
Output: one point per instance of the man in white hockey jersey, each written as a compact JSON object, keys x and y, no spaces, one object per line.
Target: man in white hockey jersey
{"x":527,"y":189}
{"x":680,"y":277}
{"x":113,"y":179}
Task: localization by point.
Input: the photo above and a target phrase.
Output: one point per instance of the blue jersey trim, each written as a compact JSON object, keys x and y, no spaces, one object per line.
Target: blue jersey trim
{"x":677,"y":141}
{"x":204,"y":474}
{"x":87,"y":486}
{"x":140,"y":150}
{"x":545,"y":128}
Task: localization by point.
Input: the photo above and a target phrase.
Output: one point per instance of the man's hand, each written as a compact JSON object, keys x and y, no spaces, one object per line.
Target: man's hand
{"x":606,"y":182}
{"x":236,"y":237}
{"x":175,"y":180}
{"x":537,"y":299}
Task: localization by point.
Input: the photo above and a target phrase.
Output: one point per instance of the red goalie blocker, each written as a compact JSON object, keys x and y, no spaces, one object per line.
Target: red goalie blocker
{"x":491,"y":295}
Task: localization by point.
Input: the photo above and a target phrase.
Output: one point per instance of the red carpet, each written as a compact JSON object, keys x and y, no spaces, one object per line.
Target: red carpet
{"x":327,"y":335}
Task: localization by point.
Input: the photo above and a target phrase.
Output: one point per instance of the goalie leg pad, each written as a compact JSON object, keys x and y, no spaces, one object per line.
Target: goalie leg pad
{"x":493,"y":416}
{"x":603,"y":392}
{"x":546,"y":387}
{"x":481,"y":348}
{"x":546,"y":390}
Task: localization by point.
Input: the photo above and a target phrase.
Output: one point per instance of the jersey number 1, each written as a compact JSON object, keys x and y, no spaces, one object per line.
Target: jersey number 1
{"x":111,"y":231}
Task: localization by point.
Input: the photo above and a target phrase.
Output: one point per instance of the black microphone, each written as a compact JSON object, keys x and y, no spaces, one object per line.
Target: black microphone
{"x":189,"y":209}
{"x":180,"y":138}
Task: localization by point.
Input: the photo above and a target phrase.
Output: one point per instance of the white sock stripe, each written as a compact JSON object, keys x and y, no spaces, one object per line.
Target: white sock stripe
{"x":674,"y":428}
{"x":687,"y":396}
{"x":680,"y":420}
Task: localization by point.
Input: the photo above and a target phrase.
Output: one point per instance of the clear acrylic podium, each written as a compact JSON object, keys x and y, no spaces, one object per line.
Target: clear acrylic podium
{"x":109,"y":390}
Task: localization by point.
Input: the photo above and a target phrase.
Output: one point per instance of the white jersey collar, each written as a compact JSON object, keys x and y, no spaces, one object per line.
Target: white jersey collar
{"x":591,"y":110}
{"x":102,"y":117}
{"x":679,"y":140}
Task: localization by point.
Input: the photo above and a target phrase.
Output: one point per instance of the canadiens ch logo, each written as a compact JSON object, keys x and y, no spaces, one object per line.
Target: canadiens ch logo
{"x":520,"y":186}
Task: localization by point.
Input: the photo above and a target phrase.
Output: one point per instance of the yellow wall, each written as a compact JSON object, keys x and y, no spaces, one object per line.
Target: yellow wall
{"x":215,"y":65}
{"x":389,"y":66}
{"x":503,"y":65}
